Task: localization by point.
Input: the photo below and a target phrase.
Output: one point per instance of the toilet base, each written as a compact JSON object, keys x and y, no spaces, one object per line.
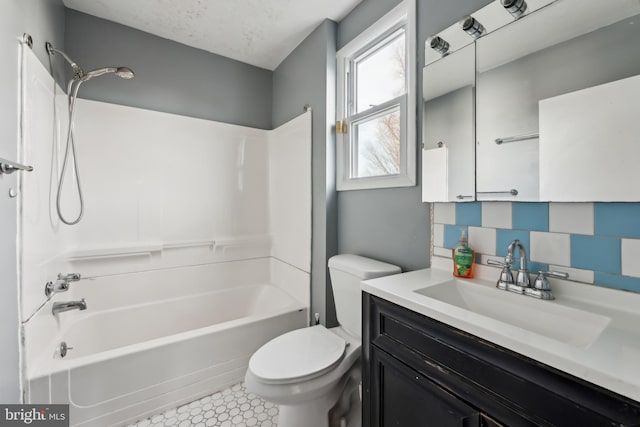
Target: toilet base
{"x":342,"y":407}
{"x":332,"y":399}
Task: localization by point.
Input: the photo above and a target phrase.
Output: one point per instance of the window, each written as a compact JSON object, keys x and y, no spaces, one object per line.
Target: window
{"x":376,"y":104}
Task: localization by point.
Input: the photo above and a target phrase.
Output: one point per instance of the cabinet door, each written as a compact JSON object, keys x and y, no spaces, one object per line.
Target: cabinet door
{"x":404,"y":398}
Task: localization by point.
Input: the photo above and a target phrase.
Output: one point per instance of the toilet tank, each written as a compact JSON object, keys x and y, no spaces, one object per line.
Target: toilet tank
{"x":346,"y":272}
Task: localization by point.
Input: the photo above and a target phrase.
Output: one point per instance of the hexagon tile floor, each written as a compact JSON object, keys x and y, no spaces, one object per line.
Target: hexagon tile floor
{"x":231,"y":407}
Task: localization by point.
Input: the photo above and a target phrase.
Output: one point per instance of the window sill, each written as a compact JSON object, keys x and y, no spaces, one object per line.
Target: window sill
{"x":377,"y":182}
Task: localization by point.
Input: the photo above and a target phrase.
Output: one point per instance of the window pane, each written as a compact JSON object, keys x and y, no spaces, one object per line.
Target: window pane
{"x":380,"y":73}
{"x":377,"y":146}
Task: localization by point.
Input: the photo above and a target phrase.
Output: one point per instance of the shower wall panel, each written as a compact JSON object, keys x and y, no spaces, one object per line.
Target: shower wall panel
{"x":42,"y":238}
{"x":290,"y":205}
{"x":161,"y":191}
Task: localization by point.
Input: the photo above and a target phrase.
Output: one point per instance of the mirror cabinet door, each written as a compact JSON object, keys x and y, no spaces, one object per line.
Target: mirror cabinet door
{"x":448,"y":156}
{"x":558,"y":104}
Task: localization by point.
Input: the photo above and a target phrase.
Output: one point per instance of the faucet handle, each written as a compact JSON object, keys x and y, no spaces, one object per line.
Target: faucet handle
{"x":541,"y":281}
{"x":71,"y":277}
{"x":506,"y":276}
{"x":54,"y":287}
{"x":499,"y":263}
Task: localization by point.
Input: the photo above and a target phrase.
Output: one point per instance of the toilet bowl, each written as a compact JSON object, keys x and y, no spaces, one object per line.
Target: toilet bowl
{"x":313,"y":374}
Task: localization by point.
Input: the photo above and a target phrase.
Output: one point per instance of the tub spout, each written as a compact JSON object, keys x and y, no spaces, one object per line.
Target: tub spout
{"x":59,"y":307}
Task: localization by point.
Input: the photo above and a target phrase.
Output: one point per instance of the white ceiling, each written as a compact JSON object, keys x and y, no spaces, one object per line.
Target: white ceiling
{"x":258,"y":32}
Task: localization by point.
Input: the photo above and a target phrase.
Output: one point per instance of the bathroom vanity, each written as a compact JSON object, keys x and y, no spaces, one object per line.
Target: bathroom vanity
{"x":439,"y":351}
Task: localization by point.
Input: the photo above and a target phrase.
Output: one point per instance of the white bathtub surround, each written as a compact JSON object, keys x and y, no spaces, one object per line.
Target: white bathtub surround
{"x":289,"y":195}
{"x":231,"y":407}
{"x":187,"y":252}
{"x":290,"y":206}
{"x":42,"y":145}
{"x":290,"y":280}
{"x":161,"y":191}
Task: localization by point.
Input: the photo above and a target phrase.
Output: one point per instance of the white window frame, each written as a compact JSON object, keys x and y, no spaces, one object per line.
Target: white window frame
{"x":403,"y":15}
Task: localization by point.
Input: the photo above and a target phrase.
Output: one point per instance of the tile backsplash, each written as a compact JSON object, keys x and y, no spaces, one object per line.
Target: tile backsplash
{"x":595,"y":243}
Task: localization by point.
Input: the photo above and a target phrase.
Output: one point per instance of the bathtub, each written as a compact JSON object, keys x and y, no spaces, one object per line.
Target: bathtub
{"x":138,"y":360}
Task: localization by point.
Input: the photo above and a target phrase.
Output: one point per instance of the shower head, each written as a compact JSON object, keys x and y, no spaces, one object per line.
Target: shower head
{"x":125,"y":73}
{"x":122,"y":72}
{"x":80,"y":74}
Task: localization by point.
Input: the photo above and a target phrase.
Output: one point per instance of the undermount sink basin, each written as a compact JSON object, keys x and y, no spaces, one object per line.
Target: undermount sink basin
{"x":547,"y":318}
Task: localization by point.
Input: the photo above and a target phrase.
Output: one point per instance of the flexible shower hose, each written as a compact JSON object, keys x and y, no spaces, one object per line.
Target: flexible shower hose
{"x":72,"y":92}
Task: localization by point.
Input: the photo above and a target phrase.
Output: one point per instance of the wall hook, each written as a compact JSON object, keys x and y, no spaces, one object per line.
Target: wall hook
{"x":28,"y":40}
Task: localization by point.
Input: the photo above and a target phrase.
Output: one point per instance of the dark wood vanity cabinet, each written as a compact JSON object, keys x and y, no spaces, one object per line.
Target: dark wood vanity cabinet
{"x":405,"y":393}
{"x":418,"y":372}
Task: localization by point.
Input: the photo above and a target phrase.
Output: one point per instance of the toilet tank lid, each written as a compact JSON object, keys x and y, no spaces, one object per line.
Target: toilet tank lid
{"x":361,"y":267}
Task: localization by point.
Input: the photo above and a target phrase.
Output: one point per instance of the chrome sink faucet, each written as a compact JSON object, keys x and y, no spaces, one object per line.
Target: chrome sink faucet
{"x":506,"y":281}
{"x":522,"y":284}
{"x":522,"y":279}
{"x":59,"y":307}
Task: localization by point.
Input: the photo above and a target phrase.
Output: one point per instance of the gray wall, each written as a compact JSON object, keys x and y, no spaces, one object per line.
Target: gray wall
{"x":307,"y":76}
{"x":170,"y":77}
{"x":44,"y":20}
{"x":392,"y":224}
{"x":360,"y":18}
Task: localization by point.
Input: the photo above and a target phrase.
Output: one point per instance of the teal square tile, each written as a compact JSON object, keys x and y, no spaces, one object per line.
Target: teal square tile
{"x":530,"y":216}
{"x":452,"y":235}
{"x":617,"y":282}
{"x":596,"y":253}
{"x":469,"y":214}
{"x":617,"y":219}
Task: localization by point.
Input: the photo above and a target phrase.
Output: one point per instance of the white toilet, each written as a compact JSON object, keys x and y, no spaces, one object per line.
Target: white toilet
{"x":313,"y":374}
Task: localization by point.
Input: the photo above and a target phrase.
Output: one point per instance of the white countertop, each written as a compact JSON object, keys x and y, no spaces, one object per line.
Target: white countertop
{"x":611,"y":360}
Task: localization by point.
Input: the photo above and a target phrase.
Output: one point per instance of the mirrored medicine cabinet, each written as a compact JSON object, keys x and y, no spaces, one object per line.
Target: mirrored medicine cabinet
{"x":541,"y":108}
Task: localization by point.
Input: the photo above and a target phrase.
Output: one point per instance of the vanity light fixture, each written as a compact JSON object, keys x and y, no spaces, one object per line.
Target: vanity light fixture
{"x":439,"y":44}
{"x":517,"y":8}
{"x":472,"y":27}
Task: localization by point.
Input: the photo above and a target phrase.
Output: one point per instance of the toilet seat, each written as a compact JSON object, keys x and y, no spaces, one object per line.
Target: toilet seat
{"x":298,"y":355}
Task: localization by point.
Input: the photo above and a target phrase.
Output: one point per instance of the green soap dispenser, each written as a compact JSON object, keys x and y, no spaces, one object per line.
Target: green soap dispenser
{"x":463,"y":258}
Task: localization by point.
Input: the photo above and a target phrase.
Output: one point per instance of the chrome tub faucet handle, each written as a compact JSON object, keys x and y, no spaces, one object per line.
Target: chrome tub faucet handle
{"x":70,"y":277}
{"x":61,"y":284}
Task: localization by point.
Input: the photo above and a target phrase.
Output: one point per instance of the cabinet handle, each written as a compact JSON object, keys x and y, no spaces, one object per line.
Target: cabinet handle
{"x":500,"y":141}
{"x":513,"y":192}
{"x":460,"y":197}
